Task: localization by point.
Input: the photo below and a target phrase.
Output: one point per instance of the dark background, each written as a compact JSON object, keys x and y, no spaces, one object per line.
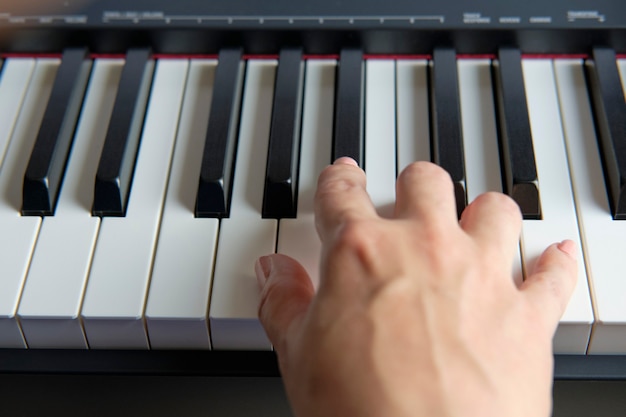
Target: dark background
{"x":96,"y":396}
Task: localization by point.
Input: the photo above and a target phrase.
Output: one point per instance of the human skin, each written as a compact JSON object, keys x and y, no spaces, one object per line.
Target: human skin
{"x":417,"y":315}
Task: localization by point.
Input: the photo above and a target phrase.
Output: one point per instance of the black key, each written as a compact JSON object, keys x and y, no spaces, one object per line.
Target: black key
{"x":46,"y":167}
{"x":348,"y":124}
{"x":119,"y":153}
{"x":281,"y":176}
{"x":516,"y":145}
{"x":609,"y":108}
{"x":216,"y":173}
{"x":446,"y":132}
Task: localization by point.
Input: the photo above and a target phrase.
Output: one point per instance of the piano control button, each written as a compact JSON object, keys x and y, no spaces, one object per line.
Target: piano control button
{"x":19,"y":233}
{"x":609,"y":109}
{"x":180,"y":287}
{"x":557,"y":202}
{"x":480,"y":137}
{"x":119,"y":154}
{"x":348,"y":122}
{"x":298,"y":237}
{"x":114,"y":301}
{"x":380,"y":134}
{"x":412,"y":113}
{"x":446,"y":134}
{"x":281,"y":175}
{"x":46,"y":168}
{"x":50,"y":304}
{"x":245,"y":236}
{"x":604,"y":240}
{"x":516,"y":142}
{"x":217,"y":170}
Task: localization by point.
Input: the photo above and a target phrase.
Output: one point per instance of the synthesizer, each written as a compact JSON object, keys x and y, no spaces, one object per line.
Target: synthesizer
{"x":323,"y":26}
{"x":148,"y":155}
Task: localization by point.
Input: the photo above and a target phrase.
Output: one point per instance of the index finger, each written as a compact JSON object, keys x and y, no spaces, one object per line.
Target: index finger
{"x":341,"y":197}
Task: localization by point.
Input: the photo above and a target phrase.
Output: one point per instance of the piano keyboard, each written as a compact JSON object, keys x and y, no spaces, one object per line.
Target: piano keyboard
{"x":213,"y":163}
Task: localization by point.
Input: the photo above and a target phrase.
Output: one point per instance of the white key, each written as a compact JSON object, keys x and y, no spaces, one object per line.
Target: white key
{"x":380,"y":134}
{"x":245,"y":236}
{"x":557,"y":204}
{"x":480,"y":140}
{"x":298,"y":237}
{"x":413,"y":118}
{"x":114,"y":301}
{"x":178,"y":301}
{"x":19,"y":234}
{"x":13,"y":84}
{"x":479,"y":127}
{"x":52,"y":296}
{"x":621,"y":65}
{"x":604,"y":239}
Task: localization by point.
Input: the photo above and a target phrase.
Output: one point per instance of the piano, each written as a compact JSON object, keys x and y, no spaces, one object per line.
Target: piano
{"x":150,"y":153}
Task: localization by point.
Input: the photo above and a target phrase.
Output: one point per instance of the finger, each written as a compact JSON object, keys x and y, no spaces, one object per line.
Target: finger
{"x":425,"y":191}
{"x":286,"y":294}
{"x":341,"y":196}
{"x":494,"y":221}
{"x":552,"y":281}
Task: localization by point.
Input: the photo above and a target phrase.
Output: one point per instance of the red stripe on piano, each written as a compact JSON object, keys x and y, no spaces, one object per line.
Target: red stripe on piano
{"x":475,"y":56}
{"x":396,"y":56}
{"x":185,"y":56}
{"x":107,"y":56}
{"x":260,"y":56}
{"x":555,"y":56}
{"x":9,"y":55}
{"x":320,"y":56}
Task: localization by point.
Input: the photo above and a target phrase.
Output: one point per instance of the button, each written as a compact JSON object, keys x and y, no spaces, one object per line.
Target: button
{"x":298,"y":237}
{"x":180,"y":287}
{"x":610,"y":116}
{"x":281,"y":175}
{"x":51,"y":299}
{"x":46,"y":168}
{"x":216,"y":172}
{"x":114,"y":301}
{"x":245,"y":235}
{"x":380,"y":134}
{"x":117,"y":163}
{"x":19,"y":233}
{"x":516,"y":142}
{"x":348,"y":125}
{"x":446,"y":133}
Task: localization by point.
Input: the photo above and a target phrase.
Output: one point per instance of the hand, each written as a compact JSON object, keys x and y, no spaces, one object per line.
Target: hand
{"x":416,"y":315}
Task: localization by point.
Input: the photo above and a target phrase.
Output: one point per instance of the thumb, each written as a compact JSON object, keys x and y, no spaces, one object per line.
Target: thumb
{"x":286,"y":293}
{"x":553,"y":280}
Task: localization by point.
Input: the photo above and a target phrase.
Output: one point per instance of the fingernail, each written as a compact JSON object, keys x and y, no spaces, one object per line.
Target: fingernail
{"x":345,"y":160}
{"x":569,"y":247}
{"x":263,"y":269}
